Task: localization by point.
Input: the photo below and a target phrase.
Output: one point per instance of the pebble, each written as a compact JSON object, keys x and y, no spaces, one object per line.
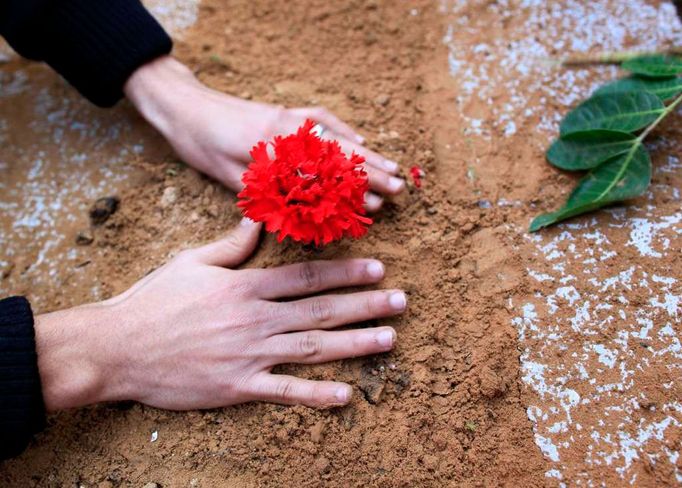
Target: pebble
{"x":213,"y":211}
{"x":84,"y":237}
{"x":152,"y":485}
{"x":169,"y":197}
{"x":317,"y":431}
{"x":103,"y":208}
{"x":322,"y":465}
{"x":382,"y":99}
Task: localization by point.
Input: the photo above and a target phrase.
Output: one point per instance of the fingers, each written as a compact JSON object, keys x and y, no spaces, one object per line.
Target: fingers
{"x":329,"y":311}
{"x":331,"y":121}
{"x":382,"y":182}
{"x":373,"y":202}
{"x":232,"y":249}
{"x":373,"y":159}
{"x":314,"y":276}
{"x":290,"y":390}
{"x":319,"y":346}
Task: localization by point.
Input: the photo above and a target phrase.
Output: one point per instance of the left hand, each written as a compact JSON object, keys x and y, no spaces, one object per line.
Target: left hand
{"x":214,"y":132}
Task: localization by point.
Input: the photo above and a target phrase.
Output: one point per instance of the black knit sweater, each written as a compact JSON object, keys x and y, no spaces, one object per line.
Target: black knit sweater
{"x":95,"y":45}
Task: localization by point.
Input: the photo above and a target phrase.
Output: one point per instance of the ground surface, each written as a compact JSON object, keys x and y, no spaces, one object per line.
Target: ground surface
{"x":524,"y":360}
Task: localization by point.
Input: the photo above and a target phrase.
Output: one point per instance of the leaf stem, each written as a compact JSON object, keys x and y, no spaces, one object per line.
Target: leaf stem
{"x":630,"y":154}
{"x":613,"y":57}
{"x":658,"y":120}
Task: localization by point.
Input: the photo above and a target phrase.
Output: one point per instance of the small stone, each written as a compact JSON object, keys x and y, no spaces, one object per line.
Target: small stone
{"x":84,"y":237}
{"x":432,"y":210}
{"x":322,"y":465}
{"x":102,"y":209}
{"x":382,"y":99}
{"x":213,"y":211}
{"x":194,"y":217}
{"x":245,"y":95}
{"x":317,"y":431}
{"x":169,"y":197}
{"x":152,"y":485}
{"x":468,"y":227}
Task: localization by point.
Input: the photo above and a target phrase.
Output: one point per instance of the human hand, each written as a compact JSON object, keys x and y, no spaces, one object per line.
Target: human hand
{"x":214,"y":132}
{"x":196,"y":334}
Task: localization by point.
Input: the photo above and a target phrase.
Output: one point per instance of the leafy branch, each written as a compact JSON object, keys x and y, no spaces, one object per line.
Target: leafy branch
{"x":605,"y":136}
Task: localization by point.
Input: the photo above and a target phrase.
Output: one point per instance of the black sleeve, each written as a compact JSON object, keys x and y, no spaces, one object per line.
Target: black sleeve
{"x":22,"y":412}
{"x":95,"y":44}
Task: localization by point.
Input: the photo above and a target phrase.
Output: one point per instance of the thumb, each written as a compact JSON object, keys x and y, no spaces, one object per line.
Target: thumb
{"x":234,"y":248}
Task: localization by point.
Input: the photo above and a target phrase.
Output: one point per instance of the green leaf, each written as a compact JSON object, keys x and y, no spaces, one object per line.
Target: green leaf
{"x":586,"y":150}
{"x":625,"y":112}
{"x":663,"y":88}
{"x":656,"y":65}
{"x":623,"y":177}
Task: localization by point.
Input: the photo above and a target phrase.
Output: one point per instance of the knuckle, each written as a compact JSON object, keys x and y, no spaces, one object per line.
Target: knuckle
{"x":184,"y":256}
{"x":370,"y":305}
{"x":321,"y":310}
{"x":244,"y":282}
{"x":284,"y":390}
{"x":310,"y":345}
{"x":310,"y":275}
{"x":350,"y":272}
{"x":231,"y":241}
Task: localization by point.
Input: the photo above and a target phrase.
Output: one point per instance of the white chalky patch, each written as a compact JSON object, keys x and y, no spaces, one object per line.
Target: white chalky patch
{"x":66,"y":153}
{"x":541,"y":31}
{"x":588,"y":339}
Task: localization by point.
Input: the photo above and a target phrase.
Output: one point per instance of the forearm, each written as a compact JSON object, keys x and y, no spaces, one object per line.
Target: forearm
{"x":77,"y":358}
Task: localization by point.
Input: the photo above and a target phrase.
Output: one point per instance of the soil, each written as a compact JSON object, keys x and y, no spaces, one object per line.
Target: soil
{"x":458,"y":403}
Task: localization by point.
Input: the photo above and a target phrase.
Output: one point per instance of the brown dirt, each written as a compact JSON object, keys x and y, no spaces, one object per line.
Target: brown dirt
{"x":447,"y":407}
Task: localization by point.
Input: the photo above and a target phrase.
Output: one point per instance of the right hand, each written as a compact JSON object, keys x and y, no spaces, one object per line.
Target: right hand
{"x":214,"y":132}
{"x":195,"y":334}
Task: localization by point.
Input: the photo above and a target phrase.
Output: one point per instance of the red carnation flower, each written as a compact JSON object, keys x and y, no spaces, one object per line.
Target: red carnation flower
{"x":310,"y":191}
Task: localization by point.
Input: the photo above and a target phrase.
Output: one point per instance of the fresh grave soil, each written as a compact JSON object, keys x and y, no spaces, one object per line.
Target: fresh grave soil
{"x":448,"y":407}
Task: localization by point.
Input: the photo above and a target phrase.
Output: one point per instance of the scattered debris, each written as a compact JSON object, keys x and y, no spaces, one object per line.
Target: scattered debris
{"x":155,"y":436}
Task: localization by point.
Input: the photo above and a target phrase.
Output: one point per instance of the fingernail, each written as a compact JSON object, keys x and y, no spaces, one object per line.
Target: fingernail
{"x":395,"y":184}
{"x":343,"y":394}
{"x":246,"y":222}
{"x":385,"y":338}
{"x":359,"y":138}
{"x":391,"y":166}
{"x":373,"y":201}
{"x":397,"y":300}
{"x":375,"y":269}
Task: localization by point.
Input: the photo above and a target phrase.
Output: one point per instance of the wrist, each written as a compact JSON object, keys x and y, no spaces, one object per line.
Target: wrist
{"x":77,"y":360}
{"x":159,"y":89}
